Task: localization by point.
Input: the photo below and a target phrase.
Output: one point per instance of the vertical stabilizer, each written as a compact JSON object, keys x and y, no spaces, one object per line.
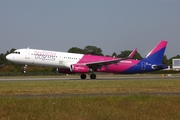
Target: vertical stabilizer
{"x":157,"y":53}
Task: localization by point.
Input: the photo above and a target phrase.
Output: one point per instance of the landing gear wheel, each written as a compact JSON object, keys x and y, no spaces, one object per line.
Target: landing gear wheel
{"x":93,"y":76}
{"x":83,"y":76}
{"x":24,"y":71}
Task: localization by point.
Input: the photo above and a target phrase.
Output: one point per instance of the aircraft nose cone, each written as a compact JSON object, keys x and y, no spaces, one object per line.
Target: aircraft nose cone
{"x":9,"y":57}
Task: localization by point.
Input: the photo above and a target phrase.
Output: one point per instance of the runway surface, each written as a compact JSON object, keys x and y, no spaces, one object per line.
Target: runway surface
{"x":132,"y":77}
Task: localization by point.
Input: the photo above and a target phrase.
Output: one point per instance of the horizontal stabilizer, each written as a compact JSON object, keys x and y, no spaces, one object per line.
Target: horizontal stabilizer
{"x":160,"y":66}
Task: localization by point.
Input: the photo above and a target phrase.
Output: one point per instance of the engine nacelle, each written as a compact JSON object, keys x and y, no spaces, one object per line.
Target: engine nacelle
{"x":79,"y":68}
{"x":64,"y":70}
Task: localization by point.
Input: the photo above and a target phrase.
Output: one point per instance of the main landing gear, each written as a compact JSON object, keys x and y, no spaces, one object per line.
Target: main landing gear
{"x":92,"y":76}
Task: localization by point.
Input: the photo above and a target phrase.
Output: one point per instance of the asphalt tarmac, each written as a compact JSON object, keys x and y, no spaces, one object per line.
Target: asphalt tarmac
{"x":106,"y":77}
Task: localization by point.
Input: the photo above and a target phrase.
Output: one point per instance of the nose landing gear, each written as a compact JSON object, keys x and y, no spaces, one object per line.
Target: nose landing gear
{"x":24,"y":71}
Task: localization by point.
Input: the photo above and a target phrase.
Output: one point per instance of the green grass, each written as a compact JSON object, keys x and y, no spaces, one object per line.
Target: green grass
{"x":136,"y":107}
{"x":88,"y":86}
{"x":90,"y":100}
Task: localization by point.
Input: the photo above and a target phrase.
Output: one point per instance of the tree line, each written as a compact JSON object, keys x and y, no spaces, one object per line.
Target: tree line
{"x":93,"y":50}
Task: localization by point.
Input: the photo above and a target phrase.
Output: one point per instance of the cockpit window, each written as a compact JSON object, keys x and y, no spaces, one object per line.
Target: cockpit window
{"x":16,"y":52}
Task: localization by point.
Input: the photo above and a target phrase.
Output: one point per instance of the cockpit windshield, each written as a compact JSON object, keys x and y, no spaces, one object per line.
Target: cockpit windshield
{"x":16,"y":52}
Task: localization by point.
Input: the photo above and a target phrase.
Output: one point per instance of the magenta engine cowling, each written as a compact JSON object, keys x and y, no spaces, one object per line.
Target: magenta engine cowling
{"x":79,"y":68}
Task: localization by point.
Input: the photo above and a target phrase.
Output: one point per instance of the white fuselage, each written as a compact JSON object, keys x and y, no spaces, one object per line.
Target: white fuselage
{"x":44,"y":58}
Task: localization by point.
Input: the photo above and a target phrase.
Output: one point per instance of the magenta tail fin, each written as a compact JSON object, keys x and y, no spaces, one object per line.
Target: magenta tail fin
{"x":157,"y":53}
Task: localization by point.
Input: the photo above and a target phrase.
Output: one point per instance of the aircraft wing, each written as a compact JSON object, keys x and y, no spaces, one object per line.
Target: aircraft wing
{"x":99,"y":64}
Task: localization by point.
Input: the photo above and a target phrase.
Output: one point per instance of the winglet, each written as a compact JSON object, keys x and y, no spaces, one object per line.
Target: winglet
{"x":132,"y":53}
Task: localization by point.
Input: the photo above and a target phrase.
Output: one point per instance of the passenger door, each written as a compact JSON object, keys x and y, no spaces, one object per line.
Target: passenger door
{"x":27,"y":54}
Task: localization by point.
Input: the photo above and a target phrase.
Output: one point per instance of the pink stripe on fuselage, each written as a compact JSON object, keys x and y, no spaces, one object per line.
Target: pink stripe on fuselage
{"x":120,"y":67}
{"x":114,"y":68}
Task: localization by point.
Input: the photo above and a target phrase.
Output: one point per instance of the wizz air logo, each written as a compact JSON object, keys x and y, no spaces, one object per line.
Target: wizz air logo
{"x":45,"y":55}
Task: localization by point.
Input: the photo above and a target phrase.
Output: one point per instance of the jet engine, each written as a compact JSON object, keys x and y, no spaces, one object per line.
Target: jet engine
{"x":79,"y":68}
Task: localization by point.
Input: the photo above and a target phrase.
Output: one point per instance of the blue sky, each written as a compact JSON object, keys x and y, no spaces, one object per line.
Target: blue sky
{"x":112,"y":25}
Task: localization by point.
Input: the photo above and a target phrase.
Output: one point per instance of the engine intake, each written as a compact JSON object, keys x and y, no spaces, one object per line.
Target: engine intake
{"x":79,"y":68}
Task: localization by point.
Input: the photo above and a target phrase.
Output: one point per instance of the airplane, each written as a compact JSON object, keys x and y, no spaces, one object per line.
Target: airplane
{"x":84,"y":63}
{"x":66,"y":63}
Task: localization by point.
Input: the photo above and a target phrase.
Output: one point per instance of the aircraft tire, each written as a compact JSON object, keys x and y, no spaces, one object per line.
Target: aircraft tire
{"x":83,"y":76}
{"x":93,"y":76}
